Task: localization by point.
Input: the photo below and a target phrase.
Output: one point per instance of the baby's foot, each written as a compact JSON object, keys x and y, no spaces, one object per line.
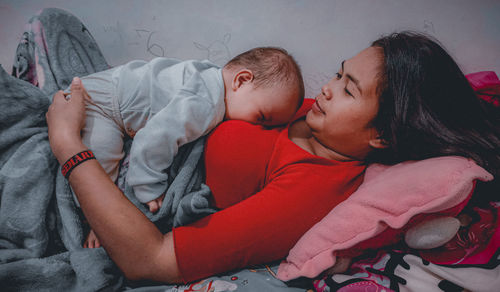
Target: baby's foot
{"x":155,"y":204}
{"x":92,"y":241}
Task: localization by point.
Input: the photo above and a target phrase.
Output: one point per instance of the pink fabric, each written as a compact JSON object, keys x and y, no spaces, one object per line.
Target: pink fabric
{"x":475,"y":244}
{"x":388,"y":197}
{"x":486,"y":85}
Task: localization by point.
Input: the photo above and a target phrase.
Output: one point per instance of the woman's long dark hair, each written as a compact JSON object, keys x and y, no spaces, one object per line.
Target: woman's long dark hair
{"x":428,"y":108}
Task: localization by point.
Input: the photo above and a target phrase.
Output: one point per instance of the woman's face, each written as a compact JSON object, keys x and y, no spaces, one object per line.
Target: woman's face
{"x":341,"y":118}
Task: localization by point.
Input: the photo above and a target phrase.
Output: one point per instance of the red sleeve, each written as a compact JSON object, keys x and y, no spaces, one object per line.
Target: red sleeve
{"x":265,"y":226}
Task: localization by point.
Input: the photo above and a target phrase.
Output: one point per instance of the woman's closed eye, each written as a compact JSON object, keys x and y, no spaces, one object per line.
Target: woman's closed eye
{"x":338,"y":75}
{"x":348,"y":92}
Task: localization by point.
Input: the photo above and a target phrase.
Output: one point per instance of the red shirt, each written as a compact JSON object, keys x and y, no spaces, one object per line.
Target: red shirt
{"x":270,"y":191}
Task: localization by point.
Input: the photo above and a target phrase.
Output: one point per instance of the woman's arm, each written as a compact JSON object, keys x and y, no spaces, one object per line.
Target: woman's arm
{"x":134,"y":243}
{"x":265,"y":226}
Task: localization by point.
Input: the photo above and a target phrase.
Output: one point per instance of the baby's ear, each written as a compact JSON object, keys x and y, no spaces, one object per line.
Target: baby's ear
{"x":242,"y":77}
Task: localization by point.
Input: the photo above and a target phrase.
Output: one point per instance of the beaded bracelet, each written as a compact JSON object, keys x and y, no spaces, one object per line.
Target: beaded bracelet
{"x":76,"y":160}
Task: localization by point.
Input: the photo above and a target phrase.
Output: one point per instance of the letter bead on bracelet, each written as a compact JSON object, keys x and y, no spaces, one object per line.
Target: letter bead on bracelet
{"x":76,"y":160}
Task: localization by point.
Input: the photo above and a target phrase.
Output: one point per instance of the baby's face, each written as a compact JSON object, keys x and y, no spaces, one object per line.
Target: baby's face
{"x":269,"y":106}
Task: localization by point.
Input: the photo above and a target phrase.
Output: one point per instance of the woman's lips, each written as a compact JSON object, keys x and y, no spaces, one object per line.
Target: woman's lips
{"x":317,"y":108}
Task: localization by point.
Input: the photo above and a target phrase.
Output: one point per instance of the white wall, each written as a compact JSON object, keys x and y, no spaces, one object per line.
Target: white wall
{"x":320,"y":34}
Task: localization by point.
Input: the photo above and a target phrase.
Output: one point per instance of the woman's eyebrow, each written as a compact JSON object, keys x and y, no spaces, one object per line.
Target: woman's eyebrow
{"x":353,"y":79}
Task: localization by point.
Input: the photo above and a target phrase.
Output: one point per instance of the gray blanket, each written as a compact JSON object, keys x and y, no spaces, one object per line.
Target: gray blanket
{"x":41,"y":229}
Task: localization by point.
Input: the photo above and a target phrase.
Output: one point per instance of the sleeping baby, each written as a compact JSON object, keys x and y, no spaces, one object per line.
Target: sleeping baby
{"x":166,"y":103}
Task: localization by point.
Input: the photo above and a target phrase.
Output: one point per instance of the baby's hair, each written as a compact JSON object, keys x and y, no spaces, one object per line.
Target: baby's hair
{"x":270,"y":66}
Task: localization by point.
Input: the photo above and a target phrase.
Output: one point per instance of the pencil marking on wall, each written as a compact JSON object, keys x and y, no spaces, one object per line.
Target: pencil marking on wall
{"x":116,"y":30}
{"x":218,"y":51}
{"x":429,"y":26}
{"x":152,"y":47}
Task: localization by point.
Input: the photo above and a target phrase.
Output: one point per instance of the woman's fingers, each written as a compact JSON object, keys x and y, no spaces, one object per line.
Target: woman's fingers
{"x":65,"y":119}
{"x":58,"y":96}
{"x":86,"y":96}
{"x":77,"y":90}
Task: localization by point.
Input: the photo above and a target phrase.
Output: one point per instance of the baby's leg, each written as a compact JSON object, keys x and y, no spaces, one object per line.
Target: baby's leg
{"x":105,"y":138}
{"x":102,"y":133}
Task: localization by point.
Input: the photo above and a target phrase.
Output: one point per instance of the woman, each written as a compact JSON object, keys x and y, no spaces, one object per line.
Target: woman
{"x":384,"y":104}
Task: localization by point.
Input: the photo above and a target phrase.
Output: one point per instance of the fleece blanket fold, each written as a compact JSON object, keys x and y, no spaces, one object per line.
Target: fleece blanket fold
{"x":41,"y":228}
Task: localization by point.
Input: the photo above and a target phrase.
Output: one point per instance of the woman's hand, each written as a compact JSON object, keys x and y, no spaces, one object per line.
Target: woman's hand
{"x":129,"y":237}
{"x":65,"y":119}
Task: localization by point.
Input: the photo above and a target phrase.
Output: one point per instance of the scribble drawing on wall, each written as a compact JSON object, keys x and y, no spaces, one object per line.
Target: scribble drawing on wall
{"x":218,"y":51}
{"x":151,"y":47}
{"x":429,"y":26}
{"x":115,"y":33}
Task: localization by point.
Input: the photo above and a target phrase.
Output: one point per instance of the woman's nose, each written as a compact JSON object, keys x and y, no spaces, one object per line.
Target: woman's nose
{"x":326,"y":91}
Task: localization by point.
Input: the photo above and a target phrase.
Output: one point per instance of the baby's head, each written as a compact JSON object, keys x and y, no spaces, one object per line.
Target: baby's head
{"x":263,"y":86}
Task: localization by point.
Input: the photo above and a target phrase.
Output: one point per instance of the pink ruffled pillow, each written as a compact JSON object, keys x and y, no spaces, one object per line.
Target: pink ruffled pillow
{"x":388,"y":197}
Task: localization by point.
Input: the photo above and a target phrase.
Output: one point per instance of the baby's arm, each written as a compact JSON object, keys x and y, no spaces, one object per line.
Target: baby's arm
{"x":182,"y":121}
